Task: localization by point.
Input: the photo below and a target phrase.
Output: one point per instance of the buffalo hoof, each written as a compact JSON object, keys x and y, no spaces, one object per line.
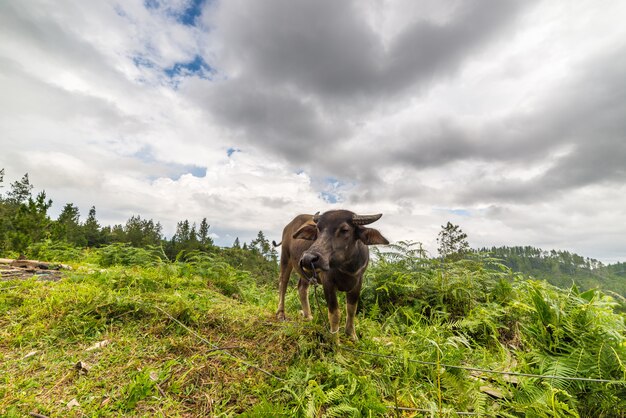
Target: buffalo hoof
{"x":308,"y":317}
{"x":280,"y":316}
{"x":353,"y":337}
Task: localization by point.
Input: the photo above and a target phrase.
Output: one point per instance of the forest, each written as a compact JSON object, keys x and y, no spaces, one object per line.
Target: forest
{"x":142,"y":325}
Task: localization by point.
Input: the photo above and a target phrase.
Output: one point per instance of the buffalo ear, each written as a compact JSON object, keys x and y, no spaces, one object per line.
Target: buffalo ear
{"x":306,"y":231}
{"x":371,"y":236}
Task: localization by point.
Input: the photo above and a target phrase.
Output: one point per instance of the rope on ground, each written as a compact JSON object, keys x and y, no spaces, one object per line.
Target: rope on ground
{"x":475,"y":369}
{"x":216,"y":348}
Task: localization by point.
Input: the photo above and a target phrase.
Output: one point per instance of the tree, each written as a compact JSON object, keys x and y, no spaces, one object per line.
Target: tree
{"x":67,"y":227}
{"x":31,"y":222}
{"x":142,"y":232}
{"x":262,"y":246}
{"x":203,"y":234}
{"x":134,"y":231}
{"x":117,"y":233}
{"x":236,"y":244}
{"x":187,"y":239}
{"x":452,"y":241}
{"x":193,"y":238}
{"x":183,"y":231}
{"x":20,"y":191}
{"x":23,"y":220}
{"x":91,"y":229}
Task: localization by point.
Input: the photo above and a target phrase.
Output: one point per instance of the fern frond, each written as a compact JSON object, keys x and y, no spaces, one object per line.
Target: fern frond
{"x":341,"y":411}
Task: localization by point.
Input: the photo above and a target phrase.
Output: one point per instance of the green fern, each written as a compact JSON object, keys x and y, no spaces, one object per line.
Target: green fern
{"x":340,"y":411}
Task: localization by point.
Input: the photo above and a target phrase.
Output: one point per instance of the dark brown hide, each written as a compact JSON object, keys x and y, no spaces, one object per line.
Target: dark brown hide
{"x":333,"y":244}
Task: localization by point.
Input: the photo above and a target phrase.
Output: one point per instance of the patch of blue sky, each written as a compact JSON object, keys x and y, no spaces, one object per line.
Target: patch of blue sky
{"x":195,"y":170}
{"x":171,"y":170}
{"x":145,"y":154}
{"x":333,"y":189}
{"x":186,"y":16}
{"x":189,"y":15}
{"x":141,"y":61}
{"x":333,"y":182}
{"x":176,"y":171}
{"x":151,"y":4}
{"x":330,"y":197}
{"x":119,"y":11}
{"x":196,"y":67}
{"x":459,"y":212}
{"x":230,"y":151}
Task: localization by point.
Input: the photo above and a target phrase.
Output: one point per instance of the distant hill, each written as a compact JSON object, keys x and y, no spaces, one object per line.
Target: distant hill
{"x":562,"y":268}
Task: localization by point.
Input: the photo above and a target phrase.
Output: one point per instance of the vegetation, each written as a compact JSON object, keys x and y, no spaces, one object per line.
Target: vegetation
{"x":562,"y":268}
{"x":144,"y":335}
{"x":144,"y":327}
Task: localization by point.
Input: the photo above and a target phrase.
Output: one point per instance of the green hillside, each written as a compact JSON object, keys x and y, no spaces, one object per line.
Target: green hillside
{"x":562,"y":268}
{"x":199,"y":338}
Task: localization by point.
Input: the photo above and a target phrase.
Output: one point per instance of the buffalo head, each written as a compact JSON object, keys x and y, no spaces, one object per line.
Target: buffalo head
{"x":336,"y":236}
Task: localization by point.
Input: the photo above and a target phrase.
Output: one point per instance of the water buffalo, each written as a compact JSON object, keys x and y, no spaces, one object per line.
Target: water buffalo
{"x":334,"y":246}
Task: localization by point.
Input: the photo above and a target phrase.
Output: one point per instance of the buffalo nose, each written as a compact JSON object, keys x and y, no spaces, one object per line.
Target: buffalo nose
{"x":308,"y":259}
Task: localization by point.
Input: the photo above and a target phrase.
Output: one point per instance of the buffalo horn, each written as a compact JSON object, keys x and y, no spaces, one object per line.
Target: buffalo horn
{"x":316,"y":217}
{"x":365,"y":219}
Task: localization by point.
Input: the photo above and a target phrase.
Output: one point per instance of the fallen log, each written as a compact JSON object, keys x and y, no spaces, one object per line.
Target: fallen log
{"x":34,"y":264}
{"x":12,"y":269}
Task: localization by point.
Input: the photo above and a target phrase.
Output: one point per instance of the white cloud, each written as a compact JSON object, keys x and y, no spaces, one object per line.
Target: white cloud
{"x":504,"y":117}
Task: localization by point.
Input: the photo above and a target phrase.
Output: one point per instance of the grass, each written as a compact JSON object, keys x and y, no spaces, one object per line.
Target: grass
{"x":160,"y":326}
{"x":152,"y":365}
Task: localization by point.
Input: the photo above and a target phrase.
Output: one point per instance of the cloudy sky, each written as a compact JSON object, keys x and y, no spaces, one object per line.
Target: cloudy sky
{"x":505,"y":117}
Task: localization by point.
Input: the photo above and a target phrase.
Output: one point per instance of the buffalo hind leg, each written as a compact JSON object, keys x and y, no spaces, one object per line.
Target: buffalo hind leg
{"x":283,"y":281}
{"x":303,"y":293}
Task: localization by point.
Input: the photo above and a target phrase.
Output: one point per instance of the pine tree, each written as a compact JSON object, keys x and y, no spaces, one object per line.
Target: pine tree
{"x":203,"y":234}
{"x":67,"y":227}
{"x":118,"y":234}
{"x":20,"y":191}
{"x":261,"y":245}
{"x":30,"y":223}
{"x":91,"y":229}
{"x":193,"y":237}
{"x":142,"y":232}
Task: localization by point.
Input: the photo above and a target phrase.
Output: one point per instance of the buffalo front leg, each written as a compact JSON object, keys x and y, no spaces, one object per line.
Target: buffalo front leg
{"x":352,"y":300}
{"x":283,"y":281}
{"x":330,"y":293}
{"x":303,"y":293}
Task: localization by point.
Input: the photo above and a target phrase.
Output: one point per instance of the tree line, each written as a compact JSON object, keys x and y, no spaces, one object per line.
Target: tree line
{"x":25,"y":220}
